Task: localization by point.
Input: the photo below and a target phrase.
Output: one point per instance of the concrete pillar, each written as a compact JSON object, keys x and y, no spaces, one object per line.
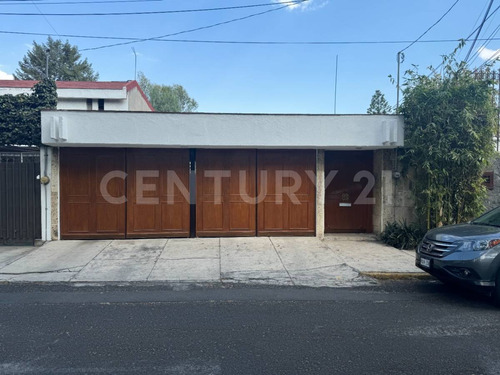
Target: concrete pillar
{"x":45,"y":191}
{"x":320,"y":194}
{"x":54,"y":194}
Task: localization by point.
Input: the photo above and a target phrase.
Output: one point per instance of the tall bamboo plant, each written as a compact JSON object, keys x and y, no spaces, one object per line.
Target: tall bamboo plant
{"x":450,"y":121}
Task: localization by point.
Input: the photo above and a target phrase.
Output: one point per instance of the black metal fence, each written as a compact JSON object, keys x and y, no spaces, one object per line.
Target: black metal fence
{"x":20,"y":208}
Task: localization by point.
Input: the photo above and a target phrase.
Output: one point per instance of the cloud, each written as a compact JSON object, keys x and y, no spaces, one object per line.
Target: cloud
{"x":4,"y":75}
{"x":486,"y":53}
{"x":302,"y":6}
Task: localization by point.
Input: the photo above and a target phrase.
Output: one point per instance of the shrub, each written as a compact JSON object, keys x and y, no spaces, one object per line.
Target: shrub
{"x":401,"y":235}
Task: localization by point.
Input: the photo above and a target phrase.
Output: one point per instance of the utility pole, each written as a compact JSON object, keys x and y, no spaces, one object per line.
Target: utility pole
{"x":397,"y":82}
{"x":498,"y":106}
{"x":47,"y":51}
{"x":335,"y":95}
{"x":135,"y":64}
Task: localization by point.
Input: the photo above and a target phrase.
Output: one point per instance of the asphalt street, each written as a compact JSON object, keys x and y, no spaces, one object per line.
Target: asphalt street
{"x":405,"y":327}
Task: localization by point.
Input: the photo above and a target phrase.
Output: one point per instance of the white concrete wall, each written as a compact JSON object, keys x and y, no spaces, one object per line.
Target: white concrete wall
{"x":14,"y":91}
{"x":92,"y":93}
{"x":114,"y":105}
{"x":198,"y":130}
{"x":136,"y":101}
{"x":74,"y":104}
{"x":73,"y":99}
{"x":393,"y":196}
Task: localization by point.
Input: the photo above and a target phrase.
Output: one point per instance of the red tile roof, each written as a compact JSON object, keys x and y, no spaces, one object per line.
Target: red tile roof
{"x":114,"y":85}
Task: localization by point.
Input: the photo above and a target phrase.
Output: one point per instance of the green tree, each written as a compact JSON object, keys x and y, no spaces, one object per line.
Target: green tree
{"x":378,"y":104}
{"x":65,"y":63}
{"x":165,"y":98}
{"x":20,"y":116}
{"x":450,"y":121}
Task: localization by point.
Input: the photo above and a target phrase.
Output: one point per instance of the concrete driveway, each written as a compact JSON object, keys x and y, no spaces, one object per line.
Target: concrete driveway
{"x":300,"y":261}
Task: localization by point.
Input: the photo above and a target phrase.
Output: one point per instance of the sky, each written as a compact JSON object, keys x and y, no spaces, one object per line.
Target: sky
{"x":256,"y":78}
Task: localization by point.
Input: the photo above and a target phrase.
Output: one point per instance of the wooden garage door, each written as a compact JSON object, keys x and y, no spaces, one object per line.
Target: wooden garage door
{"x":225,"y":193}
{"x":157,"y":193}
{"x":89,"y":210}
{"x":291,"y":212}
{"x":347,"y":197}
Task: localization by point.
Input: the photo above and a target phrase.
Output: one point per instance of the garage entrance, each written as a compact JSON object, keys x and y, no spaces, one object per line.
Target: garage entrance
{"x":289,"y":205}
{"x":86,"y":211}
{"x":349,"y":196}
{"x":100,"y":197}
{"x":156,"y":206}
{"x":238,"y":193}
{"x":225,"y":193}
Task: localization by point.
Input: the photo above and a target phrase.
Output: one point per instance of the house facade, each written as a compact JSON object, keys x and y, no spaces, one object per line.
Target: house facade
{"x":88,"y":96}
{"x":140,"y":175}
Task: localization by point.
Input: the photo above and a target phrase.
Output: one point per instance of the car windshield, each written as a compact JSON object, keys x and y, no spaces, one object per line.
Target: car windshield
{"x":489,"y":218}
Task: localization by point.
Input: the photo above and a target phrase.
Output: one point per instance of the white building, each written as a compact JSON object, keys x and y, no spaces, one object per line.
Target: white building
{"x":88,"y":96}
{"x":219,"y":174}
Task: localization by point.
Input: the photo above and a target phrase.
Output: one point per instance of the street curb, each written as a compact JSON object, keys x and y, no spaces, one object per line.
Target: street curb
{"x":397,"y":275}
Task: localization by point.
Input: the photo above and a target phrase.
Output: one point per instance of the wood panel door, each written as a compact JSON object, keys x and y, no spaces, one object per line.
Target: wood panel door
{"x":157,"y":193}
{"x":225,"y":193}
{"x":288,"y":194}
{"x":92,"y":199}
{"x":349,"y":196}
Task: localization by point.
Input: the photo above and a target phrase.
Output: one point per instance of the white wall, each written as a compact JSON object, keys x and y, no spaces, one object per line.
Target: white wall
{"x":76,"y":99}
{"x":132,"y":129}
{"x":136,"y":101}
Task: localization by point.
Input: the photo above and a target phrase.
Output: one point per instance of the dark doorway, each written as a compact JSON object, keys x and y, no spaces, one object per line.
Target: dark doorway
{"x":349,"y":195}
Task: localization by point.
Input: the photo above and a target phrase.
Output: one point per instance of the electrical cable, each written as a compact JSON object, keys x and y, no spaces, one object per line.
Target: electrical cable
{"x":45,"y":18}
{"x":268,"y":42}
{"x":80,"y":2}
{"x":479,"y":31}
{"x":484,"y":45}
{"x":192,"y":30}
{"x":287,"y":3}
{"x":467,"y":39}
{"x":430,"y":28}
{"x":493,"y":57}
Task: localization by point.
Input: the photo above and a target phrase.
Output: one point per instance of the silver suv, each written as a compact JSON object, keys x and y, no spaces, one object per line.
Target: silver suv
{"x":467,"y":253}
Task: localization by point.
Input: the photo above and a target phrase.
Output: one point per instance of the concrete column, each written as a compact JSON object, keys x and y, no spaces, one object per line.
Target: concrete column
{"x":54,"y":194}
{"x":320,"y":194}
{"x":45,"y":191}
{"x":378,"y":193}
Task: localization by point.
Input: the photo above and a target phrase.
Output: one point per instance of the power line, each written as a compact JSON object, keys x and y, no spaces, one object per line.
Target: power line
{"x":492,"y":35}
{"x":249,"y":42}
{"x":78,"y":2}
{"x":467,"y":39}
{"x":195,"y":29}
{"x":493,"y":57}
{"x":44,"y":17}
{"x":287,"y":3}
{"x":400,"y":53}
{"x":479,"y":30}
{"x":430,"y":28}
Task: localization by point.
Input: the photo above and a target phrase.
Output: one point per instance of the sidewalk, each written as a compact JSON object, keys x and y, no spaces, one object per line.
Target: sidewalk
{"x":338,"y":261}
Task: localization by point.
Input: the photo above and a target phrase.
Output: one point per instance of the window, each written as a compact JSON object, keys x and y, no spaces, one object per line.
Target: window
{"x":101,"y":104}
{"x":488,"y":180}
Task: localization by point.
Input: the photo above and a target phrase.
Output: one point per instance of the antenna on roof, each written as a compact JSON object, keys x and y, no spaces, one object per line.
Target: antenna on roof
{"x":47,"y":51}
{"x":335,"y":95}
{"x":135,"y":64}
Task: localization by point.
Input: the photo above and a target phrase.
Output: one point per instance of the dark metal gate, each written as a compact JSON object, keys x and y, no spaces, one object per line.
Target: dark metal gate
{"x":20,"y":208}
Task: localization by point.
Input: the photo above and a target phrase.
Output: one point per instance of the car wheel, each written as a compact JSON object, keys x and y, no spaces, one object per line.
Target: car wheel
{"x":496,"y":290}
